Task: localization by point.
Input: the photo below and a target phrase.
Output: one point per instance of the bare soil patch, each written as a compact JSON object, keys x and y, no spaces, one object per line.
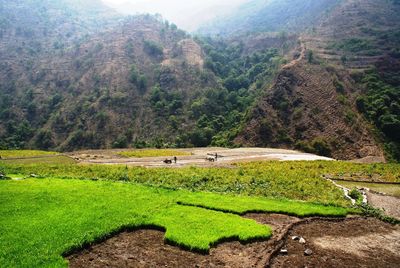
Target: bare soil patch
{"x":146,"y":248}
{"x":197,"y":157}
{"x":390,"y":204}
{"x":357,"y":242}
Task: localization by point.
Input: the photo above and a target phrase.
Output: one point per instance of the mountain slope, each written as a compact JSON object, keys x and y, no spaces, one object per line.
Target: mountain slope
{"x":319,"y":102}
{"x":320,"y":76}
{"x":269,"y":16}
{"x":132,"y":81}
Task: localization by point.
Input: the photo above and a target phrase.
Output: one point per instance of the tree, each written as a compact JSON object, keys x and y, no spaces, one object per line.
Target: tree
{"x":44,"y":140}
{"x":310,"y":56}
{"x":153,"y":49}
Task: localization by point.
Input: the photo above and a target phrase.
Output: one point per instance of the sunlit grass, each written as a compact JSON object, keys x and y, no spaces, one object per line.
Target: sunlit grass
{"x":23,"y":153}
{"x":50,"y":159}
{"x":42,"y":219}
{"x":268,"y":179}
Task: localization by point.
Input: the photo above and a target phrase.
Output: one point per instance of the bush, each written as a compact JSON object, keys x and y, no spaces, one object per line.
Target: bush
{"x":44,"y":140}
{"x":310,"y":56}
{"x":120,"y":142}
{"x":338,"y":85}
{"x":153,"y":49}
{"x":355,"y":194}
{"x":317,"y":146}
{"x":321,"y":147}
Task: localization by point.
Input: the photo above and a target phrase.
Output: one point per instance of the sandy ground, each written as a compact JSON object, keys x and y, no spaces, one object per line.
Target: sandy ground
{"x":197,"y":157}
{"x":354,"y":242}
{"x":389,"y":204}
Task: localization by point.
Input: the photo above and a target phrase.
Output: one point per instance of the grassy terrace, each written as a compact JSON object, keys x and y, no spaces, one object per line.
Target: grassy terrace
{"x":42,"y":219}
{"x":5,"y":154}
{"x":282,"y":180}
{"x":71,"y":205}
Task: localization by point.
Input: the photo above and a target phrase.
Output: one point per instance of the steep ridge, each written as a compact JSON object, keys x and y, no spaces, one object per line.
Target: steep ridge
{"x":79,"y":75}
{"x":312,"y":104}
{"x":74,"y":78}
{"x":356,"y":33}
{"x":304,"y":109}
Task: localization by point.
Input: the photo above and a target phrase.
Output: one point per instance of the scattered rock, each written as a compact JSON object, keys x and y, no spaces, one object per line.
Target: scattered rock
{"x":308,"y":252}
{"x":302,"y":240}
{"x":284,"y":251}
{"x":295,"y":238}
{"x":33,"y":175}
{"x":4,"y":177}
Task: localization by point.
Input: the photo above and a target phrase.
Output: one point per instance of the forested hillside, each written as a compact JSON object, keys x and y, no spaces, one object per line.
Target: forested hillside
{"x":113,"y":81}
{"x":342,"y":96}
{"x":320,"y":76}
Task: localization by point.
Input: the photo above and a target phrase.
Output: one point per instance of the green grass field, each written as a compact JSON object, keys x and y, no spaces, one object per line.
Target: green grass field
{"x":23,"y":153}
{"x":282,"y":180}
{"x":42,"y":219}
{"x":153,"y":153}
{"x":51,"y":159}
{"x":71,"y":205}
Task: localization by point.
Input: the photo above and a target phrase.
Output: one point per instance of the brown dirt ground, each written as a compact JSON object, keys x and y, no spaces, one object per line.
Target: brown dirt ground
{"x":390,"y":204}
{"x":355,"y":242}
{"x":197,"y":157}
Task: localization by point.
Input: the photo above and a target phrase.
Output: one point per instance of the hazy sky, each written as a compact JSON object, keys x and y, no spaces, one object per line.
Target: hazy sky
{"x":187,"y":14}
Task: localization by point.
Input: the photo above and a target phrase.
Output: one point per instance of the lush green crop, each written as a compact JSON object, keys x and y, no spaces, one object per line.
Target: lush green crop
{"x":42,"y":219}
{"x":153,"y":153}
{"x":46,"y":159}
{"x":23,"y":153}
{"x":287,"y":180}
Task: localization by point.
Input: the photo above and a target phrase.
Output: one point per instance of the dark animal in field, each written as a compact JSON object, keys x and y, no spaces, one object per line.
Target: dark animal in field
{"x":167,"y":161}
{"x":210,"y":159}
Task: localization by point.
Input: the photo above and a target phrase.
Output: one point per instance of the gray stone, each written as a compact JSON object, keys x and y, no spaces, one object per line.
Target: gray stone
{"x":284,"y":251}
{"x":302,"y":240}
{"x":295,"y":238}
{"x":308,"y":252}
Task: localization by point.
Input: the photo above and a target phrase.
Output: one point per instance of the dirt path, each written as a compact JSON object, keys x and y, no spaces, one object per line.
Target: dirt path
{"x":329,"y":240}
{"x":197,"y":157}
{"x":302,"y":55}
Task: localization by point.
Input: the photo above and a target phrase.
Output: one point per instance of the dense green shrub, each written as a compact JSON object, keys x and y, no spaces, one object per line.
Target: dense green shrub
{"x":153,"y":48}
{"x":381,"y":105}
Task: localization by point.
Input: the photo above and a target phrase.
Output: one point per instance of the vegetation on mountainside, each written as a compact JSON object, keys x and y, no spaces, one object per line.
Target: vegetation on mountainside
{"x":381,"y":105}
{"x":179,"y":105}
{"x":43,"y":219}
{"x":218,"y":112}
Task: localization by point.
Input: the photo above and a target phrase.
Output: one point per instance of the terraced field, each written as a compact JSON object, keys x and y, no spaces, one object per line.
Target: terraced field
{"x":60,"y":213}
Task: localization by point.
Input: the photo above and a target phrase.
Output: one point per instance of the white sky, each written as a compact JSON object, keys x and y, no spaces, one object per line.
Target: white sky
{"x":187,"y":14}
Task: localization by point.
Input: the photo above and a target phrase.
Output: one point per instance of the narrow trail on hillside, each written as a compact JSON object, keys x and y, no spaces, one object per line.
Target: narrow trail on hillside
{"x":302,"y":55}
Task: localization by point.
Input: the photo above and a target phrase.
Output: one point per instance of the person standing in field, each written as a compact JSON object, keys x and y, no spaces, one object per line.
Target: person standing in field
{"x":216,"y":156}
{"x":175,"y":159}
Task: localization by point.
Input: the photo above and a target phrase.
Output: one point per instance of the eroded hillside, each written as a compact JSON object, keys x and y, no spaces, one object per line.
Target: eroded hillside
{"x":323,"y":102}
{"x":321,"y":77}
